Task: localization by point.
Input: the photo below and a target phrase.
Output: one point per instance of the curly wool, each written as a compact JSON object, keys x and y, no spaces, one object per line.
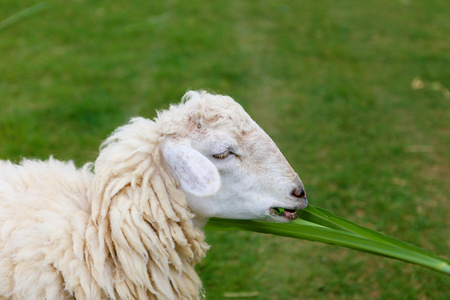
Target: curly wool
{"x":124,"y":233}
{"x":151,"y":229}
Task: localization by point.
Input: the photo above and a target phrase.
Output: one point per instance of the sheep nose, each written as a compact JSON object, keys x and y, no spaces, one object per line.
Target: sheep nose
{"x":299,"y":192}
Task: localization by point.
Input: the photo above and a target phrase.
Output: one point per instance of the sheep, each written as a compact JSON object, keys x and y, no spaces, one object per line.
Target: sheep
{"x":130,"y":225}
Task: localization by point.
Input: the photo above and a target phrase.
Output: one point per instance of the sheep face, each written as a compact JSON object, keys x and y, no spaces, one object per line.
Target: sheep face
{"x":228,"y":167}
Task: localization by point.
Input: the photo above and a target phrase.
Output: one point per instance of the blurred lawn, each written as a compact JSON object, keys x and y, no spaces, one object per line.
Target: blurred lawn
{"x":353,"y":92}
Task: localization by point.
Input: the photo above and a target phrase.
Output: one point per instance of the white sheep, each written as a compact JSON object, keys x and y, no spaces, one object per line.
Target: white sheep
{"x":130,"y":225}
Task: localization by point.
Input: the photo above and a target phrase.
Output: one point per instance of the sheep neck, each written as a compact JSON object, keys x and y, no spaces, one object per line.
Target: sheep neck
{"x":141,"y":229}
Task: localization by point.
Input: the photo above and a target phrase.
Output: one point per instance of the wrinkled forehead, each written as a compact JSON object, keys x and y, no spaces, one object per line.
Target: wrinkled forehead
{"x":219,"y":112}
{"x":220,"y":118}
{"x":201,"y":112}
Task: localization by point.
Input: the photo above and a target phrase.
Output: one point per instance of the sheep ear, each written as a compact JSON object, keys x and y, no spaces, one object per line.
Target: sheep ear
{"x":196,"y":174}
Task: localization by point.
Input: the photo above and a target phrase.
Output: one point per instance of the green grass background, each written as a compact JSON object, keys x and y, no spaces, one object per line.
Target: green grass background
{"x":353,"y":92}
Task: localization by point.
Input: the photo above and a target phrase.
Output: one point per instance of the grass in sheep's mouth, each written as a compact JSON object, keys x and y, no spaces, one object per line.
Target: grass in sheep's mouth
{"x":319,"y":225}
{"x":289,"y":214}
{"x":278,"y":210}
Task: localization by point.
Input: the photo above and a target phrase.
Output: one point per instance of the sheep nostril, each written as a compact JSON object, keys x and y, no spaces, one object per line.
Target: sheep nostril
{"x":298,"y":193}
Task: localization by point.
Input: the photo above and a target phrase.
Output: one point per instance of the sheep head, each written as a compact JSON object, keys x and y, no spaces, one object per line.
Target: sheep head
{"x":227,"y":166}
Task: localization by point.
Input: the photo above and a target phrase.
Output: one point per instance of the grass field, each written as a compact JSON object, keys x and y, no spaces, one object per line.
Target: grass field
{"x":355,"y":94}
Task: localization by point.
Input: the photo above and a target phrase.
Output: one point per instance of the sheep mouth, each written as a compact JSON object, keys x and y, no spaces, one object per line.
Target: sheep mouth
{"x":289,"y":214}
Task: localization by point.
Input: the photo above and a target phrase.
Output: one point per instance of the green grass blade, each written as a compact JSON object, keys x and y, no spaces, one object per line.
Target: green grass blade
{"x":322,"y":226}
{"x":22,"y":15}
{"x":328,"y":219}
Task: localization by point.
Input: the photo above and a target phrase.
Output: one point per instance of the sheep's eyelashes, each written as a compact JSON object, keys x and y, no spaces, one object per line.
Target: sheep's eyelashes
{"x":222,"y":155}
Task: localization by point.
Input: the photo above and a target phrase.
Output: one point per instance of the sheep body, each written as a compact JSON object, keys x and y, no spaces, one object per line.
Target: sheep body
{"x":68,"y":233}
{"x":42,"y":230}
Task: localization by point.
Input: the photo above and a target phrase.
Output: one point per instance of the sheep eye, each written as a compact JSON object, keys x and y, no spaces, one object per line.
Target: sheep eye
{"x":222,"y":155}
